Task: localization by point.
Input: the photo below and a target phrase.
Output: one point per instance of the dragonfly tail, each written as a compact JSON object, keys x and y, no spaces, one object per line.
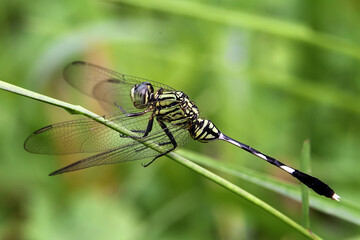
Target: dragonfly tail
{"x":315,"y":184}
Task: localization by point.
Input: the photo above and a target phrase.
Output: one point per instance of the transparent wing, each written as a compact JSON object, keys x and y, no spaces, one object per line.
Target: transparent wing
{"x":133,"y":150}
{"x":105,"y":85}
{"x":82,"y":136}
{"x":89,"y":136}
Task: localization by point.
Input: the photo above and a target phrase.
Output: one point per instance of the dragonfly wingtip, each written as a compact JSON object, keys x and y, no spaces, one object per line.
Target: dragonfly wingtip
{"x":336,"y":197}
{"x":54,"y":173}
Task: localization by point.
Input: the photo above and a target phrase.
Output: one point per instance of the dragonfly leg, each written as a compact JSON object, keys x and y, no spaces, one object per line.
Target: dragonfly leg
{"x":172,"y":140}
{"x":132,"y":114}
{"x":146,"y":132}
{"x":148,"y":128}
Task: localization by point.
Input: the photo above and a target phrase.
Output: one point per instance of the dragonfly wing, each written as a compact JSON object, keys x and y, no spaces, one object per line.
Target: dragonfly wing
{"x":105,"y":85}
{"x":89,"y":136}
{"x":131,"y":151}
{"x":82,"y":136}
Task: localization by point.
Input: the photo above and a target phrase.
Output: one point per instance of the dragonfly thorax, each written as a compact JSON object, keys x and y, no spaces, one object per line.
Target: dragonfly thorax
{"x":190,"y":110}
{"x":141,"y":94}
{"x":175,"y":108}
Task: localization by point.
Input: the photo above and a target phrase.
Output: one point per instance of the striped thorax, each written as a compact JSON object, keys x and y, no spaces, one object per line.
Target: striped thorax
{"x":175,"y":108}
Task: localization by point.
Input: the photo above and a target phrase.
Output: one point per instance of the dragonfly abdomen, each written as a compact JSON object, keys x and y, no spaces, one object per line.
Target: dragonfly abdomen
{"x":204,"y":130}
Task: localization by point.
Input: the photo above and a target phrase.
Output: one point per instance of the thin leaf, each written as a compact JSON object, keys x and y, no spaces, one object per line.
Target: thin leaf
{"x":249,"y":21}
{"x":305,"y":167}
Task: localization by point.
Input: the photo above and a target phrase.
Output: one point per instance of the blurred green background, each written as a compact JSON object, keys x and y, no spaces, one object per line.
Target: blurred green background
{"x":268,"y":73}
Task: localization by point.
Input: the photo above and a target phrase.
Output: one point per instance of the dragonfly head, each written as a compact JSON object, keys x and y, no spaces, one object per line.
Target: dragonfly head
{"x":141,"y":94}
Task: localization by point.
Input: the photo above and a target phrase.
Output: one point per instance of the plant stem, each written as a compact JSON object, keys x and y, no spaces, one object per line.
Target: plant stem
{"x":305,"y":167}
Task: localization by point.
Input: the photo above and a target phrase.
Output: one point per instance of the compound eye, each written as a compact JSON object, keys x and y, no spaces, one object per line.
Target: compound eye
{"x":140,"y":94}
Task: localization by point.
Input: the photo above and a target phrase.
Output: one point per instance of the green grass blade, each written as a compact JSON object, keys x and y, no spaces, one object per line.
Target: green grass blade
{"x":306,"y":89}
{"x":305,"y":167}
{"x":249,"y":21}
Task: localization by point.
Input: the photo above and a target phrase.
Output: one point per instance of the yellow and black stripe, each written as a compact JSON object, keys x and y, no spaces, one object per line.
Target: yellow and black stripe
{"x":204,"y":130}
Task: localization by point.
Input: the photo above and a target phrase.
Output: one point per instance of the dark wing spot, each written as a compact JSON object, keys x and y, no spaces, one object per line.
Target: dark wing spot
{"x":111,"y":80}
{"x":78,"y":63}
{"x":43,"y":129}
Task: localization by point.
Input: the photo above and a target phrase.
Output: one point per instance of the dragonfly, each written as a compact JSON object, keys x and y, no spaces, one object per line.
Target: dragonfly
{"x":152,"y":111}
